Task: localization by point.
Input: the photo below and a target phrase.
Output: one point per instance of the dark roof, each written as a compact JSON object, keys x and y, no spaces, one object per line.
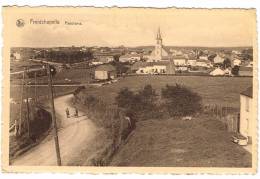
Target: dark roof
{"x":248,"y":92}
{"x":243,"y":68}
{"x":138,"y":65}
{"x":105,"y":68}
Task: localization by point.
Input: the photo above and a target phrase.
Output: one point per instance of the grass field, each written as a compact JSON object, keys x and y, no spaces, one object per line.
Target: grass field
{"x":213,"y":90}
{"x":201,"y":142}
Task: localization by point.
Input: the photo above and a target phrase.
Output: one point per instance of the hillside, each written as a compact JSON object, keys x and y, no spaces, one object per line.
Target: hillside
{"x":202,"y":142}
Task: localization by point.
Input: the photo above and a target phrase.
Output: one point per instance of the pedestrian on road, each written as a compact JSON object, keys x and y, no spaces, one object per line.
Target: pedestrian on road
{"x":67,"y":112}
{"x":76,"y":112}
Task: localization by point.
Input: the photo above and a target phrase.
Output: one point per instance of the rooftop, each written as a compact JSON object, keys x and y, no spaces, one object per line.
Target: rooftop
{"x":107,"y":67}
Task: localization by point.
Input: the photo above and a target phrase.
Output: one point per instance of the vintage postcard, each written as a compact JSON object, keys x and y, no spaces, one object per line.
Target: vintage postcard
{"x":129,"y":90}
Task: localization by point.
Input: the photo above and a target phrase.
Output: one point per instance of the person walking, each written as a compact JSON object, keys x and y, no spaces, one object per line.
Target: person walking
{"x":67,"y":112}
{"x":76,"y":112}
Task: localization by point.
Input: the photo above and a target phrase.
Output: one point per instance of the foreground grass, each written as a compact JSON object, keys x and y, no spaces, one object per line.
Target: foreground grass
{"x":202,"y":142}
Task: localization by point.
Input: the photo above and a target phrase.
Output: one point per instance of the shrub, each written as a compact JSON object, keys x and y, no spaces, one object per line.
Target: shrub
{"x":180,"y":101}
{"x":235,"y":70}
{"x":140,"y":105}
{"x":125,"y":98}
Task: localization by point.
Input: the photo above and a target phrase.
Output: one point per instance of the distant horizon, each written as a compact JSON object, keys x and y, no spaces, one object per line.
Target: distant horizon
{"x":181,"y":46}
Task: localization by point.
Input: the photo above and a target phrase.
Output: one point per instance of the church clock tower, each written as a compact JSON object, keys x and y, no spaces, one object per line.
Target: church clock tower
{"x":158,"y":46}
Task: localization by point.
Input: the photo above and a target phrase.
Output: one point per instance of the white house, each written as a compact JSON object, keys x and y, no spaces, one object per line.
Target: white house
{"x":191,"y":62}
{"x":180,"y":61}
{"x":129,"y":58}
{"x":105,"y":72}
{"x":236,"y":52}
{"x":17,"y":56}
{"x":152,"y":69}
{"x":217,"y":72}
{"x":218,"y":59}
{"x":246,"y":111}
{"x":236,"y":62}
{"x":203,"y":57}
{"x":157,"y":68}
{"x":203,"y":63}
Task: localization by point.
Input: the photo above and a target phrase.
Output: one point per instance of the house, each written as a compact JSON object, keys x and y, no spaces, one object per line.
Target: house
{"x":245,"y":71}
{"x":236,"y":62}
{"x":228,"y":72}
{"x":95,"y":62}
{"x":203,"y":63}
{"x":181,"y":68}
{"x":180,"y":61}
{"x":105,"y":72}
{"x":246,"y":110}
{"x":17,"y":56}
{"x":236,"y":52}
{"x":191,"y":62}
{"x":129,"y":58}
{"x":203,"y":57}
{"x":217,"y":72}
{"x":105,"y":58}
{"x":218,"y":59}
{"x":157,"y":68}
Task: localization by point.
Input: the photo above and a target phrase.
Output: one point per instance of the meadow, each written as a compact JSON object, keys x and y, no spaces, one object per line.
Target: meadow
{"x":222,"y":91}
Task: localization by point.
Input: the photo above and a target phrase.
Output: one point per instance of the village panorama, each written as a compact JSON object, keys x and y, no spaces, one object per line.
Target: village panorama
{"x":156,"y":106}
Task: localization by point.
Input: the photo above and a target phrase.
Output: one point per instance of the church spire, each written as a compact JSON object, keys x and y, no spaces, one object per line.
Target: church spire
{"x":159,"y":37}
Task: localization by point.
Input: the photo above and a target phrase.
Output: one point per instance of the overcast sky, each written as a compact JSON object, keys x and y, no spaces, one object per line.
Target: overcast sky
{"x":134,"y":27}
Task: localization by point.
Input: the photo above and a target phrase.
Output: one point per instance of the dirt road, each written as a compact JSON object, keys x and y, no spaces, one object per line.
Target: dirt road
{"x":75,"y":136}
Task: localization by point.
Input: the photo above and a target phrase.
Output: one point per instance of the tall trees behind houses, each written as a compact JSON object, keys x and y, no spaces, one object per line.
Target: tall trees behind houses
{"x":66,"y":56}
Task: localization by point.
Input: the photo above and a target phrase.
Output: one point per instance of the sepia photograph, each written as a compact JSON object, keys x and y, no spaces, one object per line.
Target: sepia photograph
{"x":129,"y":89}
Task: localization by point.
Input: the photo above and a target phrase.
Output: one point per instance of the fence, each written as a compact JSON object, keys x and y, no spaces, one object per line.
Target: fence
{"x":228,"y":115}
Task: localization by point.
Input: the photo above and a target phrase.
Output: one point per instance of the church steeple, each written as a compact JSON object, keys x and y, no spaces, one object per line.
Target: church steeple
{"x":159,"y":37}
{"x":158,"y":46}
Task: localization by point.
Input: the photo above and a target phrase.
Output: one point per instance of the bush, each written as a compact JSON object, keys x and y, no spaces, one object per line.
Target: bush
{"x":235,"y":70}
{"x":140,"y":105}
{"x":125,"y":98}
{"x":180,"y":101}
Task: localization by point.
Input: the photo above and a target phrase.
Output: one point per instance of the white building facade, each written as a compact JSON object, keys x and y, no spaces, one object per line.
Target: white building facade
{"x":246,"y":117}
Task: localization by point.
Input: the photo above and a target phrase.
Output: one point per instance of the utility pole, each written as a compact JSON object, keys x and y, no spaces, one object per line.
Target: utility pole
{"x":56,"y":139}
{"x":28,"y":110}
{"x":21,"y":107}
{"x":35,"y":87}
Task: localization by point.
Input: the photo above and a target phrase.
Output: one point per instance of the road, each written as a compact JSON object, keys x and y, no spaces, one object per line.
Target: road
{"x":75,"y":136}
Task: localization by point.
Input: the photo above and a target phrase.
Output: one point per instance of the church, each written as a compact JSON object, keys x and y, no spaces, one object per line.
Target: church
{"x":158,"y":62}
{"x":159,"y":53}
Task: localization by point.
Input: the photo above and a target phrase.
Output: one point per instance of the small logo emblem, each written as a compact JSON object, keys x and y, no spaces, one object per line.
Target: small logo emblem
{"x":20,"y":23}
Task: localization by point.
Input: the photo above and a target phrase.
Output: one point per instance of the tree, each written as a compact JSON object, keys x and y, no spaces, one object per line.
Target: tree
{"x":180,"y":101}
{"x":120,"y":67}
{"x":147,"y":96}
{"x":226,"y":63}
{"x":141,"y":104}
{"x":235,"y":70}
{"x":124,"y":98}
{"x":211,"y":57}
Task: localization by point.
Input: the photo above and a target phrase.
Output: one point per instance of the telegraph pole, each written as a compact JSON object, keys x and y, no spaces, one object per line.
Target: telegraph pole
{"x":28,"y":110}
{"x":35,"y":87}
{"x":21,"y":107}
{"x":56,"y":139}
